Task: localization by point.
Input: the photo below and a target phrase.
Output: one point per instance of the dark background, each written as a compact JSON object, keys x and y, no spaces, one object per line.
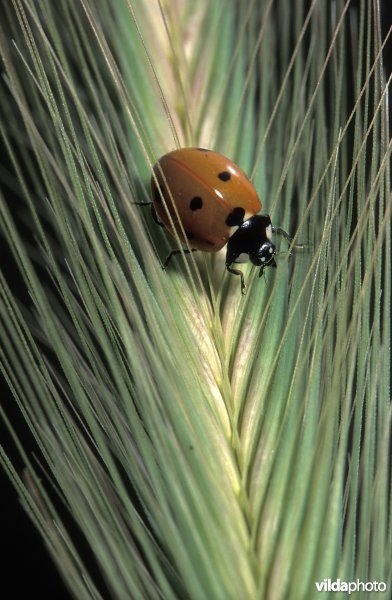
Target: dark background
{"x":27,"y":570}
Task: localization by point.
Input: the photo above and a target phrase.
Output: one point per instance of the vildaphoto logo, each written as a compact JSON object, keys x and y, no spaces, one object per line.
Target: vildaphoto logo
{"x":337,"y":585}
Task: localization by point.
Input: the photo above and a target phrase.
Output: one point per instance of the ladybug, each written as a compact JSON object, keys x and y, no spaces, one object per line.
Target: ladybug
{"x":212,"y":203}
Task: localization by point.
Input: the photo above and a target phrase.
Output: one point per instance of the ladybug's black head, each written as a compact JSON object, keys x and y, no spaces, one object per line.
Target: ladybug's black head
{"x":265,"y":255}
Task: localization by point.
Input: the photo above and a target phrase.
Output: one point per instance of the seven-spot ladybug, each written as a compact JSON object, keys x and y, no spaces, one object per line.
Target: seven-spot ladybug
{"x":211,"y":202}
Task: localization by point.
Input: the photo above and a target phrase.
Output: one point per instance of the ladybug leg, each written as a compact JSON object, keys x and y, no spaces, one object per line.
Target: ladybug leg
{"x":153,"y":212}
{"x":174,"y":252}
{"x":271,"y":263}
{"x":231,"y":256}
{"x":283,"y":233}
{"x":288,"y":239}
{"x":240,"y":273}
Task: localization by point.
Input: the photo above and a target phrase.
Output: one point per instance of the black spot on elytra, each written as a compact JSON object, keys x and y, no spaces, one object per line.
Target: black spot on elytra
{"x":224,"y":176}
{"x":189,"y":235}
{"x":196,"y":203}
{"x":236,"y":217}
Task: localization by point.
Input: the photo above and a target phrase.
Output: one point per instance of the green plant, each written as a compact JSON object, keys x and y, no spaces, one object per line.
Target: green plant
{"x":207,"y":445}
